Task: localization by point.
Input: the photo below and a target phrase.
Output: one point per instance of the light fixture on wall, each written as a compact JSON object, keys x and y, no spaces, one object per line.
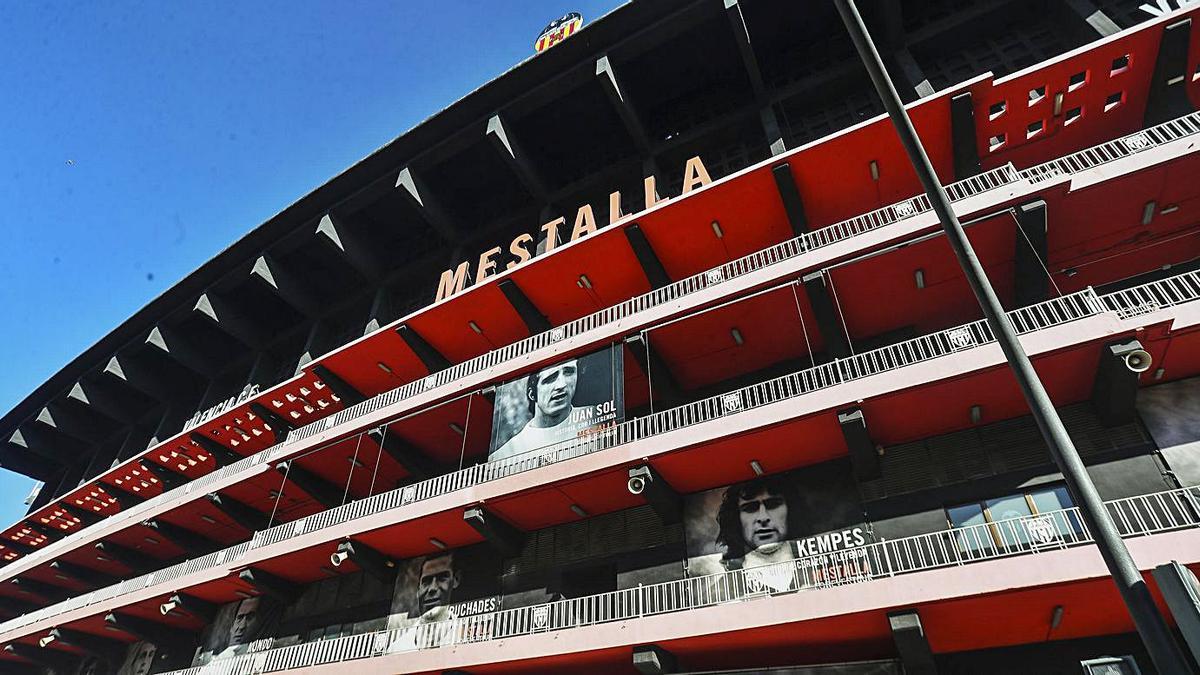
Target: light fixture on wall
{"x":976,"y":414}
{"x":438,"y":543}
{"x":737,"y":336}
{"x":716,"y":228}
{"x":756,"y":467}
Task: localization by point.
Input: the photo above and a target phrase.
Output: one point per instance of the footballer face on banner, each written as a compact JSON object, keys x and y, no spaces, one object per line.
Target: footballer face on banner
{"x":557,"y":403}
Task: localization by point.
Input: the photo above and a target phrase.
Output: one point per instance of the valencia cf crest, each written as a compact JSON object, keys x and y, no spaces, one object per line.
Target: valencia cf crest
{"x":558,"y":30}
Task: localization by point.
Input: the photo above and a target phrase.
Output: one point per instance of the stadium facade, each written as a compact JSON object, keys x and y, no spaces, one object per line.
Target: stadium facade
{"x":649,"y":356}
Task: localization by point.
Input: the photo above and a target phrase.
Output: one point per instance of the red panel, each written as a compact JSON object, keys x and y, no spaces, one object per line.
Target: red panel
{"x":445,"y":326}
{"x":1096,"y":124}
{"x":358,"y":362}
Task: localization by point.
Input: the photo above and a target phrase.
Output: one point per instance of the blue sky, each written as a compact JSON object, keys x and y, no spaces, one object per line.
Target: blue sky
{"x":137,"y":140}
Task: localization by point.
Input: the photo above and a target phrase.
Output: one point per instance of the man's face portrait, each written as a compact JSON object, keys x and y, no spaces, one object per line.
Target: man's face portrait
{"x":555,"y":389}
{"x":244,"y":621}
{"x":143,"y":658}
{"x":436,"y":583}
{"x":764,"y":517}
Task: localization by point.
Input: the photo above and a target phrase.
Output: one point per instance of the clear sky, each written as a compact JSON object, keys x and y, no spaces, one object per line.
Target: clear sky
{"x":138,"y":139}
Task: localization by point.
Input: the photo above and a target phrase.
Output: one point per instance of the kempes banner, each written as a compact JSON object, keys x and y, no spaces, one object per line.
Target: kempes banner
{"x":559,"y":402}
{"x":811,"y":517}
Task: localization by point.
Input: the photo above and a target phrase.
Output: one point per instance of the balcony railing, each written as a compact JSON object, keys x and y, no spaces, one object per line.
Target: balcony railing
{"x":1135,"y":516}
{"x":975,"y":185}
{"x":1054,"y":312}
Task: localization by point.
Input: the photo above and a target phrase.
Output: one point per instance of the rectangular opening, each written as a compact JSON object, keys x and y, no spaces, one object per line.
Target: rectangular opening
{"x":1034,"y":129}
{"x":1037,"y":95}
{"x":1196,"y":75}
{"x":1114,"y":101}
{"x":997,"y":109}
{"x":996,"y":142}
{"x":1119,"y":65}
{"x":1077,"y":80}
{"x":1072,"y":115}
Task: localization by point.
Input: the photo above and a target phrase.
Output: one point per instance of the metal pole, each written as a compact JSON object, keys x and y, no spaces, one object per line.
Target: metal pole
{"x":1163,"y":650}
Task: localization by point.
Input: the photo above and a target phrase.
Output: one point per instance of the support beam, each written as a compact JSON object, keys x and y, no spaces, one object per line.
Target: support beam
{"x":344,"y":390}
{"x":503,"y":537}
{"x":173,"y":418}
{"x":155,"y":632}
{"x":741,"y":35}
{"x":14,"y":457}
{"x":644,"y":480}
{"x":314,"y":345}
{"x":380,"y":312}
{"x":415,"y":462}
{"x":864,"y":459}
{"x":1094,"y":16}
{"x":100,"y":461}
{"x":104,"y":648}
{"x":1031,"y":283}
{"x":136,"y":561}
{"x":15,"y":607}
{"x":86,"y":429}
{"x":249,"y":518}
{"x":829,"y":320}
{"x":170,"y":478}
{"x":431,"y":357}
{"x":653,"y":660}
{"x":624,"y":107}
{"x":56,"y":661}
{"x":789,"y":194}
{"x":421,"y":198}
{"x":135,"y":441}
{"x":182,"y":603}
{"x":325,"y":493}
{"x":84,"y":575}
{"x":912,"y":74}
{"x":279,"y":425}
{"x":106,"y":400}
{"x":534,"y":320}
{"x":42,"y":441}
{"x":1168,"y":97}
{"x":1181,"y":591}
{"x":231,"y":320}
{"x":269,"y":584}
{"x":1114,"y":393}
{"x":222,"y":455}
{"x":341,"y":239}
{"x":177,"y":347}
{"x":47,"y":592}
{"x":962,"y":136}
{"x":511,"y":152}
{"x":193,"y":544}
{"x":663,"y":383}
{"x":911,"y":643}
{"x":139,"y":376}
{"x":653,"y":268}
{"x":51,"y":533}
{"x":369,"y":560}
{"x":288,"y":286}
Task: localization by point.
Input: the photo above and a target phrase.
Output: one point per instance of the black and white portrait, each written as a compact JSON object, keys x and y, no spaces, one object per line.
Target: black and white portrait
{"x":240,"y":627}
{"x":139,"y":659}
{"x":764,"y":521}
{"x":557,"y":403}
{"x":441,"y":585}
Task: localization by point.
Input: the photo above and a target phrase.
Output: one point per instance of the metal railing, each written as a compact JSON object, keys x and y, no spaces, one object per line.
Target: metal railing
{"x":975,"y":185}
{"x":1052,"y":312}
{"x":1054,"y":530}
{"x":1089,"y":158}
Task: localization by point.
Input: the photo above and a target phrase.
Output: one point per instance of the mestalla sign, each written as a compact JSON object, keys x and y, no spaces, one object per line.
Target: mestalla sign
{"x":522,"y":248}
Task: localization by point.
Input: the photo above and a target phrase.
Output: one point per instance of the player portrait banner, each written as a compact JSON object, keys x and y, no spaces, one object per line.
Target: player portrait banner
{"x":783,"y":531}
{"x":559,"y":402}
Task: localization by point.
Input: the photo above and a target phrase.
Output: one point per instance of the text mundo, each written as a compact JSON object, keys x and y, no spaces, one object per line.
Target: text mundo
{"x":522,"y":248}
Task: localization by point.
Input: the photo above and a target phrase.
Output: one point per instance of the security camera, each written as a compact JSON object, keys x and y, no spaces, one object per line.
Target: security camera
{"x":339,"y":557}
{"x":639,"y":478}
{"x":168,"y":606}
{"x":1138,"y":360}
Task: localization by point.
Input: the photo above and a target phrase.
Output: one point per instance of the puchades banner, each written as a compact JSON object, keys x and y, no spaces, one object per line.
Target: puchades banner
{"x":1171,"y":413}
{"x":811,"y":516}
{"x":558,"y":402}
{"x":432,"y":589}
{"x":240,"y":627}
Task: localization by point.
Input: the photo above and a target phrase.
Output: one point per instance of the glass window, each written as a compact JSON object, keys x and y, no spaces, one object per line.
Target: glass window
{"x":1001,"y":510}
{"x":1057,"y":501}
{"x":995,"y":511}
{"x":970,"y":539}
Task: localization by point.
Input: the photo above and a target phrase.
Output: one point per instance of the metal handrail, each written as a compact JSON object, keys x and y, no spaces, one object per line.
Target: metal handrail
{"x":1056,"y":311}
{"x":1054,"y":530}
{"x":995,"y":178}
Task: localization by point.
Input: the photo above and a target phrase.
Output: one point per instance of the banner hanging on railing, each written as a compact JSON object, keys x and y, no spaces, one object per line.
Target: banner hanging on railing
{"x":558,"y":402}
{"x":802,"y":514}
